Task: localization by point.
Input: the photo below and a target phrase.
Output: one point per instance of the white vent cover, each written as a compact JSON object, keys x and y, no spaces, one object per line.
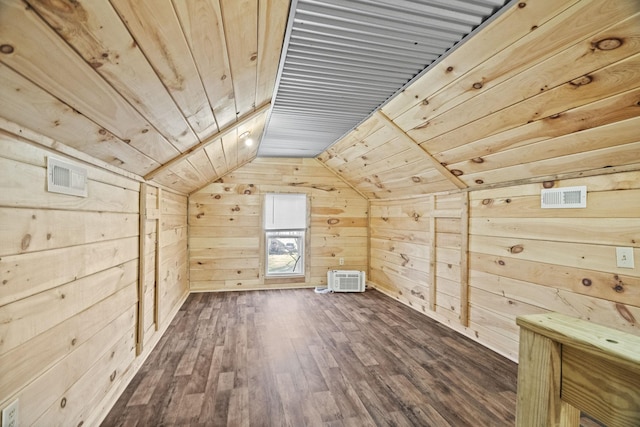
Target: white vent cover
{"x":565,"y":197}
{"x":66,"y":178}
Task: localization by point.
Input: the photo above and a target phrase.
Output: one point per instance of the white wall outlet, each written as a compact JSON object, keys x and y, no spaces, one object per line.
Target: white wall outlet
{"x":341,"y":260}
{"x":10,"y":415}
{"x":624,"y":257}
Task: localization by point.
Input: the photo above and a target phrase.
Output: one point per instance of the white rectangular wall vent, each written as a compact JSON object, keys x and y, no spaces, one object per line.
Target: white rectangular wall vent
{"x":346,"y":280}
{"x":66,"y":178}
{"x":565,"y":197}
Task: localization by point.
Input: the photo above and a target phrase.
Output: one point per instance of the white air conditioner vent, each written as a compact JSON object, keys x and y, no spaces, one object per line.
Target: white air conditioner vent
{"x":565,"y":197}
{"x":346,"y":280}
{"x":66,"y":178}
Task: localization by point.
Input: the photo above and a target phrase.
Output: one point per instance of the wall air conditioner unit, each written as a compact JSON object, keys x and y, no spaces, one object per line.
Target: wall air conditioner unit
{"x":346,"y":280}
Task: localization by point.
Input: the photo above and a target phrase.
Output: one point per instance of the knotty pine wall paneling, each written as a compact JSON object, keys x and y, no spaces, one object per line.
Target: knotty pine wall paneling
{"x":524,"y":259}
{"x":417,"y":252}
{"x":226,"y":247}
{"x":69,"y":287}
{"x":521,"y":259}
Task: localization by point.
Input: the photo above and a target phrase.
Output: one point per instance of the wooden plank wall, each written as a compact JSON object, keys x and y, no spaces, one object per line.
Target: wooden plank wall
{"x":525,"y":260}
{"x":521,"y":259}
{"x":69,"y":288}
{"x":225,"y":224}
{"x":417,"y":253}
{"x":173,"y":283}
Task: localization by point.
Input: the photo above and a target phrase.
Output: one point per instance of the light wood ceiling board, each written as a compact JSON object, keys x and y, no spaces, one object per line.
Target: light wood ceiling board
{"x":439,"y":167}
{"x":391,"y":176}
{"x":400,"y":159}
{"x":331,"y":156}
{"x":241,"y":35}
{"x":156,"y":29}
{"x":200,"y":161}
{"x":204,"y":30}
{"x":43,"y":57}
{"x":189,"y":175}
{"x":510,"y":26}
{"x":610,"y":135}
{"x":574,"y":62}
{"x":603,"y":159}
{"x":387,"y":187}
{"x":255,"y":127}
{"x":216,"y":156}
{"x":414,"y":174}
{"x":28,"y":105}
{"x":614,"y":79}
{"x":96,"y":32}
{"x":169,"y":179}
{"x":376,"y":154}
{"x":547,"y":40}
{"x":229,"y":129}
{"x":272,"y":22}
{"x":375,"y":140}
{"x":230,"y":148}
{"x":608,"y":110}
{"x":331,"y":161}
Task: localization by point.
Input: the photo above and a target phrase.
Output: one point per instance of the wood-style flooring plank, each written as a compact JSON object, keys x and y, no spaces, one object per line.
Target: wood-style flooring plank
{"x":296,"y":358}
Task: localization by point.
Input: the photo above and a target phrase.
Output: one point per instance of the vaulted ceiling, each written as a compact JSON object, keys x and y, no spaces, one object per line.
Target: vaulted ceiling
{"x":174,"y":91}
{"x":548,"y":89}
{"x":168,"y":90}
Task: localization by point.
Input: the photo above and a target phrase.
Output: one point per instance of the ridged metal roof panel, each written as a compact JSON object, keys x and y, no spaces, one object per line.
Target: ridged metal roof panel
{"x":345,"y":58}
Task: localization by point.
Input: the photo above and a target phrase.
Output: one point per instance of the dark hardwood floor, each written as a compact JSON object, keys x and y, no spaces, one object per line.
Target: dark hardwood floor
{"x":295,"y":358}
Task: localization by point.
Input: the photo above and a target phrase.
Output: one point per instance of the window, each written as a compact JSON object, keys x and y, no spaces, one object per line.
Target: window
{"x":285,"y":223}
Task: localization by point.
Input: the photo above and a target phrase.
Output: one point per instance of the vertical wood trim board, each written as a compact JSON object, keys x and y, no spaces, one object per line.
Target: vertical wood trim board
{"x":142,"y":268}
{"x":156,"y":306}
{"x":432,"y":254}
{"x":464,"y":261}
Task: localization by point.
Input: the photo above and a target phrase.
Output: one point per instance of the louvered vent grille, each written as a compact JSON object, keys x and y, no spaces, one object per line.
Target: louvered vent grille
{"x":350,"y":282}
{"x":567,"y":197}
{"x":66,"y":178}
{"x":346,"y":280}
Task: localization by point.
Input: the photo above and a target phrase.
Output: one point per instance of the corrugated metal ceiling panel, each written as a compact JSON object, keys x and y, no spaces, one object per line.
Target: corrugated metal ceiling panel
{"x":345,"y":58}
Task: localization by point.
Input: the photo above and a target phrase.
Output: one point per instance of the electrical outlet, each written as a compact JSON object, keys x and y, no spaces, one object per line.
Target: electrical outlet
{"x":10,"y":415}
{"x":341,"y":261}
{"x":624,"y":257}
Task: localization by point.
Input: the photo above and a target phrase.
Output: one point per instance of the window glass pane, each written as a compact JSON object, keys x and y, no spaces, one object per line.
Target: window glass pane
{"x":285,"y":253}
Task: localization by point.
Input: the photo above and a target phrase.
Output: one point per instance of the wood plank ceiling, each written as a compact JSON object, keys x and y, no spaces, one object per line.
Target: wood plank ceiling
{"x":166,"y":89}
{"x":548,"y":89}
{"x":169,"y":90}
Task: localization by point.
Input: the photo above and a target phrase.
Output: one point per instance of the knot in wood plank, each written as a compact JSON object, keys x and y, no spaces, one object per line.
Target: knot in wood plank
{"x":581,"y":81}
{"x":6,"y":49}
{"x":608,"y":43}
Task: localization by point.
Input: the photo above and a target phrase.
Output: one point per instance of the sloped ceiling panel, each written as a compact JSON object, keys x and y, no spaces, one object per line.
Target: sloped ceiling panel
{"x":143,"y":84}
{"x":345,"y":58}
{"x":533,"y":96}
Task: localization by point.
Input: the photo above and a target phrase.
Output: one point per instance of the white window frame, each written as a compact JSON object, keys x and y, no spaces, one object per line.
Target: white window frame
{"x":286,"y":215}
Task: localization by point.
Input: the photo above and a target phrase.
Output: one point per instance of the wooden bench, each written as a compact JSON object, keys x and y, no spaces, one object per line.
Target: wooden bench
{"x":568,"y":365}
